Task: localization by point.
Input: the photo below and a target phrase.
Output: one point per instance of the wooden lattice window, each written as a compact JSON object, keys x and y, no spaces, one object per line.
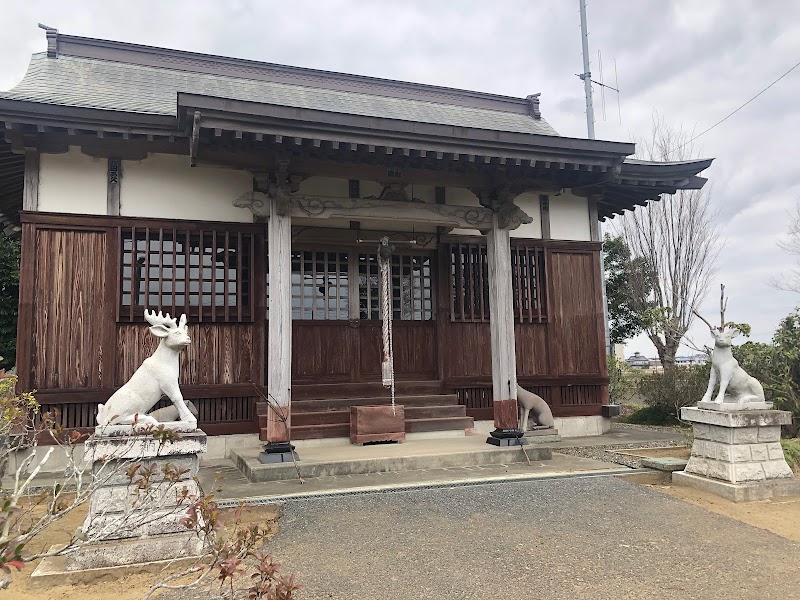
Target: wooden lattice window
{"x":412,"y":287}
{"x":469,"y":275}
{"x":320,"y":285}
{"x":527,"y":277}
{"x":205,"y":274}
{"x":469,"y":282}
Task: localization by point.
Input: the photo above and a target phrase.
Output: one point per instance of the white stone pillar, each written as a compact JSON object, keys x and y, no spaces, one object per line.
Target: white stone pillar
{"x":279,"y":353}
{"x":501,"y":319}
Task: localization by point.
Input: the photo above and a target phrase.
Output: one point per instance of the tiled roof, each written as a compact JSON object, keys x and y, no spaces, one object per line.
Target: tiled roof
{"x":118,"y":86}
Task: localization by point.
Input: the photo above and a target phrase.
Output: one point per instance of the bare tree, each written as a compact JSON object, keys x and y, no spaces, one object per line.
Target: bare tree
{"x":677,"y":240}
{"x":790,"y":282}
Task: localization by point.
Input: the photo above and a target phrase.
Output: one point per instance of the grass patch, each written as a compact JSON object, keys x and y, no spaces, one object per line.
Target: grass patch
{"x":791,"y":450}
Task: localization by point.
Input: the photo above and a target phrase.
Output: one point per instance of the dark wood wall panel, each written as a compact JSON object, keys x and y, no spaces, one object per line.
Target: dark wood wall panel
{"x":575,"y":314}
{"x":533,"y":350}
{"x":220,"y":353}
{"x":68,"y":309}
{"x":413,"y":345}
{"x":323,"y":351}
{"x":467,"y":350}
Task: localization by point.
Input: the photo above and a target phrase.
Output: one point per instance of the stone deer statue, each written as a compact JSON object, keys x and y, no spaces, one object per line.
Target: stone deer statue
{"x":735,"y":385}
{"x":157,"y":376}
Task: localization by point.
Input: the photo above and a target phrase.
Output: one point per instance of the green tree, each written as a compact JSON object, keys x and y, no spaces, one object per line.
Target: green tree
{"x":624,"y":321}
{"x":9,"y":299}
{"x":777,"y":366}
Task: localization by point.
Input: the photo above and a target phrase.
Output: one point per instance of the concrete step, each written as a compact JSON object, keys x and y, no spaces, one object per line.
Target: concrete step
{"x":320,"y":404}
{"x":376,"y":389}
{"x":440,"y":424}
{"x":351,"y":460}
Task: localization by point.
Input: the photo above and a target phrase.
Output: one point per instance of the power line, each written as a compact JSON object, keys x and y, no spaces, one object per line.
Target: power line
{"x":738,"y":109}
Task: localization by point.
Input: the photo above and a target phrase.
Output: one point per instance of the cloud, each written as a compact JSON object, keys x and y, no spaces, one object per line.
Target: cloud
{"x":692,"y":62}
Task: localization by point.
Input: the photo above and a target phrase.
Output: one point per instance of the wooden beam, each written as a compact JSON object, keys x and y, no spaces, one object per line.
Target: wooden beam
{"x":195,"y":139}
{"x":594,"y":222}
{"x":372,"y":209}
{"x":114,"y":176}
{"x":544,"y":212}
{"x":30,"y":194}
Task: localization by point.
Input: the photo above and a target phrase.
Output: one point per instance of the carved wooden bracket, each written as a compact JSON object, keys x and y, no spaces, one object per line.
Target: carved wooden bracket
{"x":500,"y":200}
{"x":374,"y":209}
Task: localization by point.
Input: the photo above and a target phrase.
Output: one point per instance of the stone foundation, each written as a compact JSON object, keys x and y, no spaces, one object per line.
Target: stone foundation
{"x":127,"y":525}
{"x":737,"y":453}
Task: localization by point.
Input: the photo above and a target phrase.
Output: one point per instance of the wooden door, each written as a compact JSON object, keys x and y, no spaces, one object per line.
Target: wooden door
{"x":336,"y":316}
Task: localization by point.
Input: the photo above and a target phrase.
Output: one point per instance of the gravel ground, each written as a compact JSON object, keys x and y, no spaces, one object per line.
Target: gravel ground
{"x":601,"y":538}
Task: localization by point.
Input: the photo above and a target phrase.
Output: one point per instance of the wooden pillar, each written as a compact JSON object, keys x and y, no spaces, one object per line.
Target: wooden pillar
{"x":279,"y":361}
{"x":501,"y":320}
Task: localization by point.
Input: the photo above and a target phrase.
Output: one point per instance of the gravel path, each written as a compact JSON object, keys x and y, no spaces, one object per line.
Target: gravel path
{"x":547,"y":539}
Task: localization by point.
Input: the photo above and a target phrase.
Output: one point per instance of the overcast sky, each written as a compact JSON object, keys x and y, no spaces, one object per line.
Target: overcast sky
{"x":690,"y":61}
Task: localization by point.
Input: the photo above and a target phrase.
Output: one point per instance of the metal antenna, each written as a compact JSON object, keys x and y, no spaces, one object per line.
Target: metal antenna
{"x":616,"y":83}
{"x":586,"y":76}
{"x":602,"y":87}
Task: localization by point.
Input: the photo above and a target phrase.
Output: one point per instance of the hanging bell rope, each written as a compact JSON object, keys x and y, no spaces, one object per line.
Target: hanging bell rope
{"x":387,"y":358}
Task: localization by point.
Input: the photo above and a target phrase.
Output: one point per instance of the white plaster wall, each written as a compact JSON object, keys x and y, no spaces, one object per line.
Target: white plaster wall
{"x":529,"y":202}
{"x":73,"y":183}
{"x":165,"y":186}
{"x":462,"y":197}
{"x":569,"y":218}
{"x":325,"y":186}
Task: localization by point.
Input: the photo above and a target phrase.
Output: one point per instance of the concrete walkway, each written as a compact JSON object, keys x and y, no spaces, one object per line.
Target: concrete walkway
{"x":233,"y":486}
{"x":444,"y":463}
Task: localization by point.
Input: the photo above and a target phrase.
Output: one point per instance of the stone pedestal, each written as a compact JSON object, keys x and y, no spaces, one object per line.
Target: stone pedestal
{"x":737,"y":454}
{"x":129,"y":526}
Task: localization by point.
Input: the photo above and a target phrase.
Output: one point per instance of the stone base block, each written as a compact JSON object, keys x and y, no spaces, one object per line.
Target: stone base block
{"x":128,"y":552}
{"x":138,"y":524}
{"x":521,"y":441}
{"x":267,"y":458}
{"x":117,"y":509}
{"x":542,"y":435}
{"x":735,"y":405}
{"x":740,"y":492}
{"x":127,"y":447}
{"x":51,"y":571}
{"x":665,"y":463}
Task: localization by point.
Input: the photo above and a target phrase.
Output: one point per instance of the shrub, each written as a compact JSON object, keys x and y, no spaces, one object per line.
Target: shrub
{"x":622,"y":381}
{"x":667,"y":392}
{"x":651,"y":415}
{"x":791,"y":450}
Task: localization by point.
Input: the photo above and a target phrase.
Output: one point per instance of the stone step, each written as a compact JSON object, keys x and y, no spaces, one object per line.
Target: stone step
{"x":302,"y":417}
{"x":342,"y":428}
{"x":321,"y":404}
{"x":439,"y":424}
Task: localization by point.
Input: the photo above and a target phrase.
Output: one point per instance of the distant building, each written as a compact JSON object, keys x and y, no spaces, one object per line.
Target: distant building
{"x":694,"y":359}
{"x":638,"y":361}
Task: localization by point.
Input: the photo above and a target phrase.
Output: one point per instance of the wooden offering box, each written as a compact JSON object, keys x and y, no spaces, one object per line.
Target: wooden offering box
{"x":377,"y":424}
